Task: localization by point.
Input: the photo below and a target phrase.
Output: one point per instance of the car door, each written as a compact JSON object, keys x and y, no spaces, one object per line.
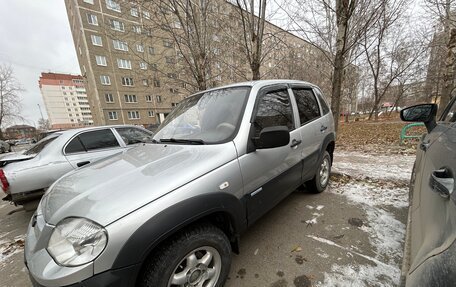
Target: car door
{"x":433,"y":214}
{"x":89,"y":146}
{"x":310,"y":129}
{"x":271,"y":174}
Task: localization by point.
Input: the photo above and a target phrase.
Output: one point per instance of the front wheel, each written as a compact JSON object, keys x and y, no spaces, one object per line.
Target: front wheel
{"x":321,"y":179}
{"x":200,"y":256}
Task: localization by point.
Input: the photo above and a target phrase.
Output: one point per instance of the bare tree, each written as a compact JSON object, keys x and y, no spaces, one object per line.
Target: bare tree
{"x":10,"y":101}
{"x":390,"y":53}
{"x":253,"y":17}
{"x":44,"y":124}
{"x":444,"y":10}
{"x":335,"y":27}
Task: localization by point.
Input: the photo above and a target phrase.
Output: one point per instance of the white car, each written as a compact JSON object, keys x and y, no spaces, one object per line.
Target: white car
{"x":25,"y":176}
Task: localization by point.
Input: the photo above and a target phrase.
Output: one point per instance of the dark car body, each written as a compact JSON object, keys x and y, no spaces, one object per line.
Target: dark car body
{"x":430,"y":251}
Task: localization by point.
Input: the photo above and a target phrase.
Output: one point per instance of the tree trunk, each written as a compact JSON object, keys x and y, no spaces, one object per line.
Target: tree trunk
{"x":448,"y":76}
{"x":338,"y":76}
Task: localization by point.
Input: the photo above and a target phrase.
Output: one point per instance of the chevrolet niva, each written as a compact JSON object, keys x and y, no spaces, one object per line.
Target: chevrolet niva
{"x":170,"y":212}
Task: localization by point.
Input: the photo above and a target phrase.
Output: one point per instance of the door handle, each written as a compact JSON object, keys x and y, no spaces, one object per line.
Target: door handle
{"x":424,"y":145}
{"x":82,"y":163}
{"x":295,"y":143}
{"x":323,"y":128}
{"x":442,"y":182}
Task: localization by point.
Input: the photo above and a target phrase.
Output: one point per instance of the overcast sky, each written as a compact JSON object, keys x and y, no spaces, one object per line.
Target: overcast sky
{"x":35,"y":38}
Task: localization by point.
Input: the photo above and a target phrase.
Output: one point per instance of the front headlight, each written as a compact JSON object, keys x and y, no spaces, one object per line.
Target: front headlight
{"x":77,"y":241}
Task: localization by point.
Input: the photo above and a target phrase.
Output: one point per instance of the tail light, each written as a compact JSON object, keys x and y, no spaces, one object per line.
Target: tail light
{"x":4,"y":181}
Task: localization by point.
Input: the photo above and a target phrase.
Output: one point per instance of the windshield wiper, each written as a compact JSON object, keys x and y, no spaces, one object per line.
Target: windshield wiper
{"x":190,"y":141}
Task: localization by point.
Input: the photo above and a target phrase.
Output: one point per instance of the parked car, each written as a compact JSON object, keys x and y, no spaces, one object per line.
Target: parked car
{"x":4,"y":147}
{"x":430,"y":247}
{"x":23,"y":141}
{"x":169,"y":213}
{"x":25,"y":176}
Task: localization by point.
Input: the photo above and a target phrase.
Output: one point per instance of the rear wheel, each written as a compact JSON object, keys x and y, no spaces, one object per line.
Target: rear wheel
{"x":321,"y":179}
{"x":199,"y":257}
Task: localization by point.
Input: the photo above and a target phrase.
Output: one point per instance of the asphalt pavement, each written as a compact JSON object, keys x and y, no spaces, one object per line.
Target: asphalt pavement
{"x":335,"y":238}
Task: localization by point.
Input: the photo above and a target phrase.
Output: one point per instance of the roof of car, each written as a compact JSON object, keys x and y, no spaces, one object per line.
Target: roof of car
{"x":262,"y":83}
{"x":75,"y":131}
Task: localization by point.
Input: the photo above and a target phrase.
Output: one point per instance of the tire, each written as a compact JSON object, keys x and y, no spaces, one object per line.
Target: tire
{"x":181,"y":260}
{"x":321,"y":179}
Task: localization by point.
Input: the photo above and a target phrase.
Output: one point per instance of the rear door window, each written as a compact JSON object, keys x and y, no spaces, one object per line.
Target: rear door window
{"x":307,"y":105}
{"x":324,"y":106}
{"x":93,"y":140}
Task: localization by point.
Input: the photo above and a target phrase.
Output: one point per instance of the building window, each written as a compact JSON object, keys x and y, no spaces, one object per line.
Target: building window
{"x":158,"y":98}
{"x":120,"y":45}
{"x":174,"y":104}
{"x":140,"y":48}
{"x":109,"y":98}
{"x":130,"y":99}
{"x":127,"y":81}
{"x":88,"y":1}
{"x":136,"y":29}
{"x":150,"y":113}
{"x":92,"y":19}
{"x":113,"y":5}
{"x":101,"y":60}
{"x":133,"y":115}
{"x":156,"y":82}
{"x":112,"y":116}
{"x":169,"y":60}
{"x":145,"y":82}
{"x":148,"y":98}
{"x":143,"y":65}
{"x":117,"y":25}
{"x":96,"y":40}
{"x":124,"y":64}
{"x":105,"y":80}
{"x":146,"y":14}
{"x":168,"y":43}
{"x":152,"y":50}
{"x":134,"y":12}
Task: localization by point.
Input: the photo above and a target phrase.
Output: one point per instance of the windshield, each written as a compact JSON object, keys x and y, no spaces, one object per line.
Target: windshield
{"x":209,"y":117}
{"x":39,"y":146}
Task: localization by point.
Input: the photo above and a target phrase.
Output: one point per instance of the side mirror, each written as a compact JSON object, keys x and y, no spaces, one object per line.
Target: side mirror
{"x":425,"y":113}
{"x":272,"y":137}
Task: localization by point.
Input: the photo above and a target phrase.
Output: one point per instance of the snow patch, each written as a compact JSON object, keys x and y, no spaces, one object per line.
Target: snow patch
{"x":356,"y":164}
{"x":374,"y":195}
{"x":386,"y":233}
{"x":361,"y":276}
{"x":319,"y":207}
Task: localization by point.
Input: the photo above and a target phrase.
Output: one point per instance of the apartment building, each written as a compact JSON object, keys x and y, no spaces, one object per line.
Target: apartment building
{"x":137,"y":68}
{"x":66,"y":100}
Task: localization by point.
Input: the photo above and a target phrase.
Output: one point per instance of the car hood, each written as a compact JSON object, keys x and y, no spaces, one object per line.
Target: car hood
{"x":113,"y":187}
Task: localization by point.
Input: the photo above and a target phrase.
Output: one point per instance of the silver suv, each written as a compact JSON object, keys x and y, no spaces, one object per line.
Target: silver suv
{"x":169,"y":213}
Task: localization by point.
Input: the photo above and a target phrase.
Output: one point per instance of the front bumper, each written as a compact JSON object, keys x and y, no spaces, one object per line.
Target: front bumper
{"x":124,"y":277}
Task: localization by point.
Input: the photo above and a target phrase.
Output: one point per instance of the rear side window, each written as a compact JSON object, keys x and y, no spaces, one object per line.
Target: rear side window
{"x":324,"y":106}
{"x":39,"y":146}
{"x":273,"y":109}
{"x":92,"y":140}
{"x":307,"y":105}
